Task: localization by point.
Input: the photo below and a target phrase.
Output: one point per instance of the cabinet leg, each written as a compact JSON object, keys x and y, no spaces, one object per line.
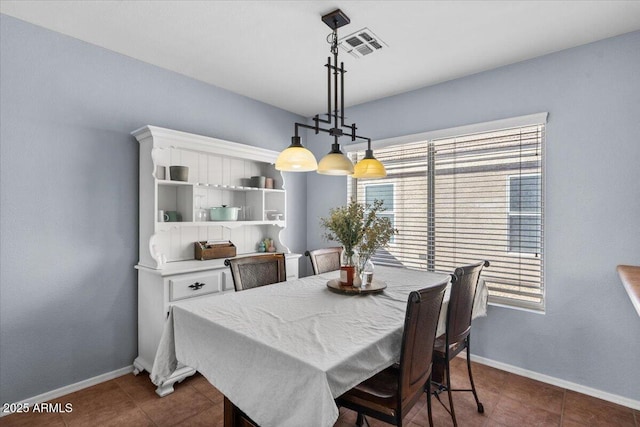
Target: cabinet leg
{"x":165,"y":389}
{"x":178,"y":376}
{"x":137,"y":367}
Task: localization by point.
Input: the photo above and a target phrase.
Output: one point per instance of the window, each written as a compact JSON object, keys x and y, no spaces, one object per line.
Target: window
{"x":524,"y":214}
{"x":461,"y":199}
{"x":382,"y":192}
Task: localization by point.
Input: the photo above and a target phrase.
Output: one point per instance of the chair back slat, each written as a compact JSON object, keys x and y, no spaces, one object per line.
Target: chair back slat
{"x":421,"y":321}
{"x":464,"y":282}
{"x":326,"y":259}
{"x":258,"y":270}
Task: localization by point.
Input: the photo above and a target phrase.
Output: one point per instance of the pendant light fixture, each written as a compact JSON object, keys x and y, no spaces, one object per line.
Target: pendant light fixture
{"x":335,"y":163}
{"x":297,"y":158}
{"x":369,"y":166}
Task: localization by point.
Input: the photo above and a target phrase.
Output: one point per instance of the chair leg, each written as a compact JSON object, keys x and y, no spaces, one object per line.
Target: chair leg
{"x":360,"y":419}
{"x":429,"y":402}
{"x":448,"y":376}
{"x":473,"y":387}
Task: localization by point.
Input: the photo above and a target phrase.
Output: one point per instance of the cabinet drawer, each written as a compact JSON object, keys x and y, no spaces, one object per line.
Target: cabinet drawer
{"x":192,"y":285}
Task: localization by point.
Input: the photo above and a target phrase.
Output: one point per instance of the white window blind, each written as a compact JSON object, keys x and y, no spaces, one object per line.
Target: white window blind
{"x":463,"y":199}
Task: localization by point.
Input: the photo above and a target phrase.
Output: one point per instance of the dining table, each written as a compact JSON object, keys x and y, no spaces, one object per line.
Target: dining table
{"x":282,"y":353}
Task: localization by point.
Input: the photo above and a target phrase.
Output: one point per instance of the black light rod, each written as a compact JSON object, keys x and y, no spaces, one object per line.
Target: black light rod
{"x":329,"y":88}
{"x":302,"y":125}
{"x":341,"y":94}
{"x":334,"y":48}
{"x":309,"y":127}
{"x":317,"y":118}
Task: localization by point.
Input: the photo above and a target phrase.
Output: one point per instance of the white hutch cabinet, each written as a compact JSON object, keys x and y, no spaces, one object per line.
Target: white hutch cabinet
{"x":219,"y":174}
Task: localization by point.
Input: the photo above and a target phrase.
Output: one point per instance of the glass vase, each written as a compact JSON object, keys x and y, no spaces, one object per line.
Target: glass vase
{"x":348,"y":258}
{"x":366,"y":272}
{"x":349,"y":268}
{"x":357,"y":282}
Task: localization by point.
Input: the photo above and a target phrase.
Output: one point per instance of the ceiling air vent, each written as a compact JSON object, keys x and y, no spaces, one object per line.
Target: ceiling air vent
{"x":361,"y":43}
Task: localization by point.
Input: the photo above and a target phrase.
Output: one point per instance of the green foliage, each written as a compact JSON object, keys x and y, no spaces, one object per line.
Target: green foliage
{"x":357,"y":227}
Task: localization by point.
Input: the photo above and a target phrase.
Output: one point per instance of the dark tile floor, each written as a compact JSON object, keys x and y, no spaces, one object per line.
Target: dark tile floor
{"x":509,"y":400}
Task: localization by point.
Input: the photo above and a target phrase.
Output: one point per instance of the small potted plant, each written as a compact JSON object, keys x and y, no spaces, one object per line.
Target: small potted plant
{"x":361,"y":232}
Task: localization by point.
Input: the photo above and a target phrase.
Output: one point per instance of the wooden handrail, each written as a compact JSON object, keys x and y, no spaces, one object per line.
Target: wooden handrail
{"x":630,"y":276}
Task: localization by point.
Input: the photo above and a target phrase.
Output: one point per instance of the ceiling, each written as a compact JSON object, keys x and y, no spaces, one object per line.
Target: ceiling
{"x":275,"y":51}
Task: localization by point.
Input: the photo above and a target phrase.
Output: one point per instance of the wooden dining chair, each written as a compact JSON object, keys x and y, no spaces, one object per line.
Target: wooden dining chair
{"x":323,"y":260}
{"x":390,"y":394}
{"x":257,"y":270}
{"x":464,"y":283}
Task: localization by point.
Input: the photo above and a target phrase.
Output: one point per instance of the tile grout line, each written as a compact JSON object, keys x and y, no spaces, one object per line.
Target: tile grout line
{"x":206,"y":397}
{"x":203,"y":395}
{"x":198,"y":413}
{"x":564,"y":399}
{"x":136,"y":403}
{"x":62,"y":417}
{"x":487,"y":423}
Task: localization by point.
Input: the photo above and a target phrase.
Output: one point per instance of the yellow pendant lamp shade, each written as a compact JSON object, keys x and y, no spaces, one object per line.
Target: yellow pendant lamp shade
{"x":296,"y":158}
{"x":369,"y":167}
{"x":335,"y":163}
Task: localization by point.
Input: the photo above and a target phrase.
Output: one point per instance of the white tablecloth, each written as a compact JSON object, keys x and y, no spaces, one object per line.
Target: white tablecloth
{"x":283,"y":352}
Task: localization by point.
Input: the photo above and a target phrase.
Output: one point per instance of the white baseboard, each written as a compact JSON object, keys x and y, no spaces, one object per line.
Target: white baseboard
{"x":614,"y":398}
{"x":53,"y":394}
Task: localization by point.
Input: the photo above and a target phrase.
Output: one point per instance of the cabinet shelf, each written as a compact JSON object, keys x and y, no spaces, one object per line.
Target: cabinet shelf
{"x":173,"y":183}
{"x":164,"y":226}
{"x":218,"y":186}
{"x":237,"y":188}
{"x":191,"y":266}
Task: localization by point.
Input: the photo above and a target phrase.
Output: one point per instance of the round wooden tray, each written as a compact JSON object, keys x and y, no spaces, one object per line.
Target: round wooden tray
{"x":375,"y":287}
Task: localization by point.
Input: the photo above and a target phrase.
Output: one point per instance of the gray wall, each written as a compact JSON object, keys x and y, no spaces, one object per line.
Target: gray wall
{"x":69,"y":197}
{"x":590,"y":334}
